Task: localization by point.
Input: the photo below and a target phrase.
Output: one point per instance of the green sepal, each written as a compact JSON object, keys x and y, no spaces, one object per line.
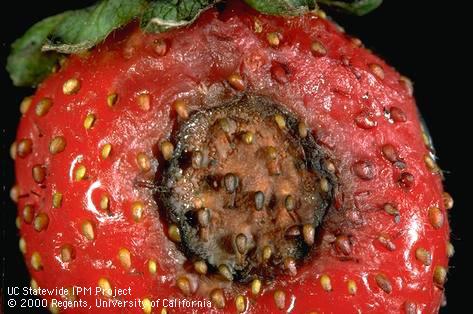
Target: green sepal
{"x":36,"y":53}
{"x":83,"y":29}
{"x":168,"y":14}
{"x":27,"y":64}
{"x":282,"y":7}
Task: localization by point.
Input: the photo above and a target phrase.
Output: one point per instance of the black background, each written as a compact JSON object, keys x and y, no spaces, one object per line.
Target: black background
{"x":422,"y":39}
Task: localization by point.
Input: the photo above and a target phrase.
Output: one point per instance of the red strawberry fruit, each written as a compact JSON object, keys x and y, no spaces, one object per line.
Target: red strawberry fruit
{"x":256,"y":159}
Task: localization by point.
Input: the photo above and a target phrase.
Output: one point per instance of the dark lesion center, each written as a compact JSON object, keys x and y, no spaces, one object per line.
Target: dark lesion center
{"x":247,"y":187}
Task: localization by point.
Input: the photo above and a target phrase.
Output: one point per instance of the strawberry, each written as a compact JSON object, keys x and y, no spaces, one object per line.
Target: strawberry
{"x":245,"y":163}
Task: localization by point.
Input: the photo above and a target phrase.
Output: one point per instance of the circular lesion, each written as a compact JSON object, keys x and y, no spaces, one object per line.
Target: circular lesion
{"x":247,"y":187}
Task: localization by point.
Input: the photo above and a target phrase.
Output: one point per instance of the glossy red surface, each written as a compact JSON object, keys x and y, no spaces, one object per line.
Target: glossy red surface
{"x":329,"y":92}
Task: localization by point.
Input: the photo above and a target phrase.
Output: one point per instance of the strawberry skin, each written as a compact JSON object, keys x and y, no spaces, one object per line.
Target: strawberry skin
{"x":90,"y":144}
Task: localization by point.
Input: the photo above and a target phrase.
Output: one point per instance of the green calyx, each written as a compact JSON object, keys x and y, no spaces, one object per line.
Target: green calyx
{"x":35,"y":54}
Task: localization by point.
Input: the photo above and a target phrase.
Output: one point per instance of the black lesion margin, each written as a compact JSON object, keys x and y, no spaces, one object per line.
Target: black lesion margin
{"x":176,"y":211}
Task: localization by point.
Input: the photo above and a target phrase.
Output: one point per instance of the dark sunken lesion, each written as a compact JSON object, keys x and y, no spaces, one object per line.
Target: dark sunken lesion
{"x":244,"y":182}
